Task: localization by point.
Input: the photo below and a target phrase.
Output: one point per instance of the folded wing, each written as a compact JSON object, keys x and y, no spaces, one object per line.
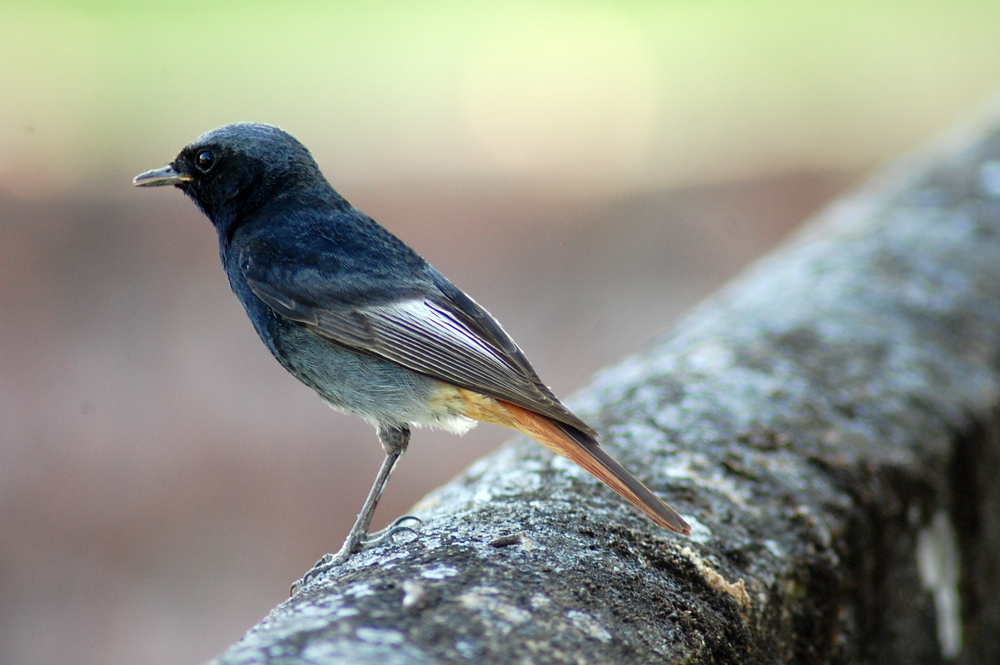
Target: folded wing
{"x":427,"y":332}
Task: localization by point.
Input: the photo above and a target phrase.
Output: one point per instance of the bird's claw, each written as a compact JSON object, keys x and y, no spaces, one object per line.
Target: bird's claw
{"x":387,"y":534}
{"x":406,"y":518}
{"x":330,"y":561}
{"x":326,"y":562}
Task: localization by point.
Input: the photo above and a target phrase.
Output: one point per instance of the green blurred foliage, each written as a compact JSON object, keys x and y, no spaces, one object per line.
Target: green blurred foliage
{"x":579,"y":94}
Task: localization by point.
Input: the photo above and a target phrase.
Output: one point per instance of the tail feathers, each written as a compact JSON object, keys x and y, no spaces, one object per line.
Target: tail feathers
{"x":585,"y":451}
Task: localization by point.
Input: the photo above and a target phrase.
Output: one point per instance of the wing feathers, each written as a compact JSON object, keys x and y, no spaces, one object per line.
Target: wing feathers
{"x":428,"y":336}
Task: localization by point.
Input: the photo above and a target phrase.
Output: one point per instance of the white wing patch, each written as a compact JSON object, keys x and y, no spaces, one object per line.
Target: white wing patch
{"x":425,"y":318}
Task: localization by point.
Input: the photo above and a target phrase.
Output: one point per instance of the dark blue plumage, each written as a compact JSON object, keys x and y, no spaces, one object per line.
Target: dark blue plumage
{"x":362,"y":319}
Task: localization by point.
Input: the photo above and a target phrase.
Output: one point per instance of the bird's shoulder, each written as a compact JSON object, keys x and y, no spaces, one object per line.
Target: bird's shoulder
{"x":326,"y":255}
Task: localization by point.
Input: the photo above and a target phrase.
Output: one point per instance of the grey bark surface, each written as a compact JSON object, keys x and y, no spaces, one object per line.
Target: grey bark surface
{"x":827,"y":424}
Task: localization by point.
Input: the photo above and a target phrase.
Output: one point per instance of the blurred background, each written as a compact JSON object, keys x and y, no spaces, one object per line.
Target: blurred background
{"x":587,"y":171}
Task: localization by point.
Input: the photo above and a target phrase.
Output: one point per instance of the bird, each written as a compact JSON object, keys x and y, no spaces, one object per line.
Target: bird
{"x":354,"y":313}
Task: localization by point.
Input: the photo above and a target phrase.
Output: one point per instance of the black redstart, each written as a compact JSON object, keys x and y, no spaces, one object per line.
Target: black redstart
{"x":362,"y":319}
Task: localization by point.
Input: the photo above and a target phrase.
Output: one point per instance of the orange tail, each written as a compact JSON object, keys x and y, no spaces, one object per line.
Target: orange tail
{"x":585,"y":451}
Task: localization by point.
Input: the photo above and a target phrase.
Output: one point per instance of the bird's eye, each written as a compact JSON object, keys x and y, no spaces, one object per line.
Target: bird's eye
{"x":205,"y":160}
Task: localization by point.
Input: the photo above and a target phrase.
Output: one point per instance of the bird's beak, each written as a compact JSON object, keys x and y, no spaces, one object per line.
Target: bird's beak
{"x":168,"y":175}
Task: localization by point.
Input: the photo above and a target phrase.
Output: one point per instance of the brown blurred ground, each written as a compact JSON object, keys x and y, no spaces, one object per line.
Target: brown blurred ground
{"x":163,"y":480}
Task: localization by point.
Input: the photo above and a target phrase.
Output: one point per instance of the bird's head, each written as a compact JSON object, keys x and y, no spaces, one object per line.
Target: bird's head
{"x":238,"y":168}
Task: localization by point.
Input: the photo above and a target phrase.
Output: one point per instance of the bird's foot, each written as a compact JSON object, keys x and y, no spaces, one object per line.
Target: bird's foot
{"x":397,"y":527}
{"x":325,"y":563}
{"x":352,"y":546}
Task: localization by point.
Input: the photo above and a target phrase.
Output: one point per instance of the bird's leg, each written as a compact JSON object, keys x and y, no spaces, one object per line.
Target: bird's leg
{"x":394,"y":441}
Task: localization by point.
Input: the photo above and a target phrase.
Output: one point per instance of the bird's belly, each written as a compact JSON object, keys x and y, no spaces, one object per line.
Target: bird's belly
{"x":378,"y":390}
